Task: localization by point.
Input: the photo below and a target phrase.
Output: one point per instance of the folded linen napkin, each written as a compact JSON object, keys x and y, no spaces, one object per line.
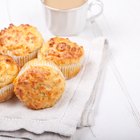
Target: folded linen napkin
{"x":73,"y":110}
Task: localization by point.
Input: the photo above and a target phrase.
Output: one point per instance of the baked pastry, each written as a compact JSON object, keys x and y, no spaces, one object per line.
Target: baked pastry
{"x":8,"y":71}
{"x":40,"y":84}
{"x":64,"y":53}
{"x":20,"y":42}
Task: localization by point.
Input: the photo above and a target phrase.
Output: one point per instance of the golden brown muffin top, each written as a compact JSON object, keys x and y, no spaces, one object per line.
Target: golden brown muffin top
{"x":39,"y":86}
{"x":62,"y":51}
{"x":20,"y":40}
{"x":8,"y":70}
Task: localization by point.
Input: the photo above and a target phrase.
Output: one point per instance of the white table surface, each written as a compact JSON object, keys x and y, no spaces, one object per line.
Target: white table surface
{"x":120,"y":23}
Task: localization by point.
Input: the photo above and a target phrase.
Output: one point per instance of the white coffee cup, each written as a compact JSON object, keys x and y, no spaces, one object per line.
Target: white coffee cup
{"x":71,"y":21}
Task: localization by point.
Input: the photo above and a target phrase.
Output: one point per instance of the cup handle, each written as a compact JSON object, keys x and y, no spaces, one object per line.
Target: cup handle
{"x":96,"y":4}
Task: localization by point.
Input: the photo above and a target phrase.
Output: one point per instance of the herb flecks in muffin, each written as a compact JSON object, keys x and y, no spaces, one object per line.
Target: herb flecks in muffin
{"x":39,"y":85}
{"x":20,"y":40}
{"x":66,"y":54}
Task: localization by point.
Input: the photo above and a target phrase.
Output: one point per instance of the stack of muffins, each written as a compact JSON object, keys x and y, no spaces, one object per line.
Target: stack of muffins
{"x":33,"y":70}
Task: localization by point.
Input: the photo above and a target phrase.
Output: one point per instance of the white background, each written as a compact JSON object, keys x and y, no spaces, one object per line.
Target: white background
{"x":120,"y":23}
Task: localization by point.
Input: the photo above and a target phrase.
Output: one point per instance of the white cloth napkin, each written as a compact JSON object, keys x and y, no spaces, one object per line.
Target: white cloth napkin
{"x":74,"y":109}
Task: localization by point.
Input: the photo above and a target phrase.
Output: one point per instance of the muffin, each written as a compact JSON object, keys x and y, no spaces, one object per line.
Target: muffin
{"x":39,"y":84}
{"x":8,"y":71}
{"x":20,"y":42}
{"x":67,"y":55}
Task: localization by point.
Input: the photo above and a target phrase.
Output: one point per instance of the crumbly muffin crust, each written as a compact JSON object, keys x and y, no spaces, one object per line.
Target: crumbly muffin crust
{"x":8,"y":70}
{"x":62,"y":51}
{"x":20,"y":40}
{"x":39,"y":86}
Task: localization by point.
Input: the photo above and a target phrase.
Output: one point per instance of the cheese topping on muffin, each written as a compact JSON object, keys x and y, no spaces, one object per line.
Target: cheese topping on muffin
{"x":39,"y":86}
{"x":8,"y":70}
{"x":20,"y":40}
{"x":62,"y":51}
